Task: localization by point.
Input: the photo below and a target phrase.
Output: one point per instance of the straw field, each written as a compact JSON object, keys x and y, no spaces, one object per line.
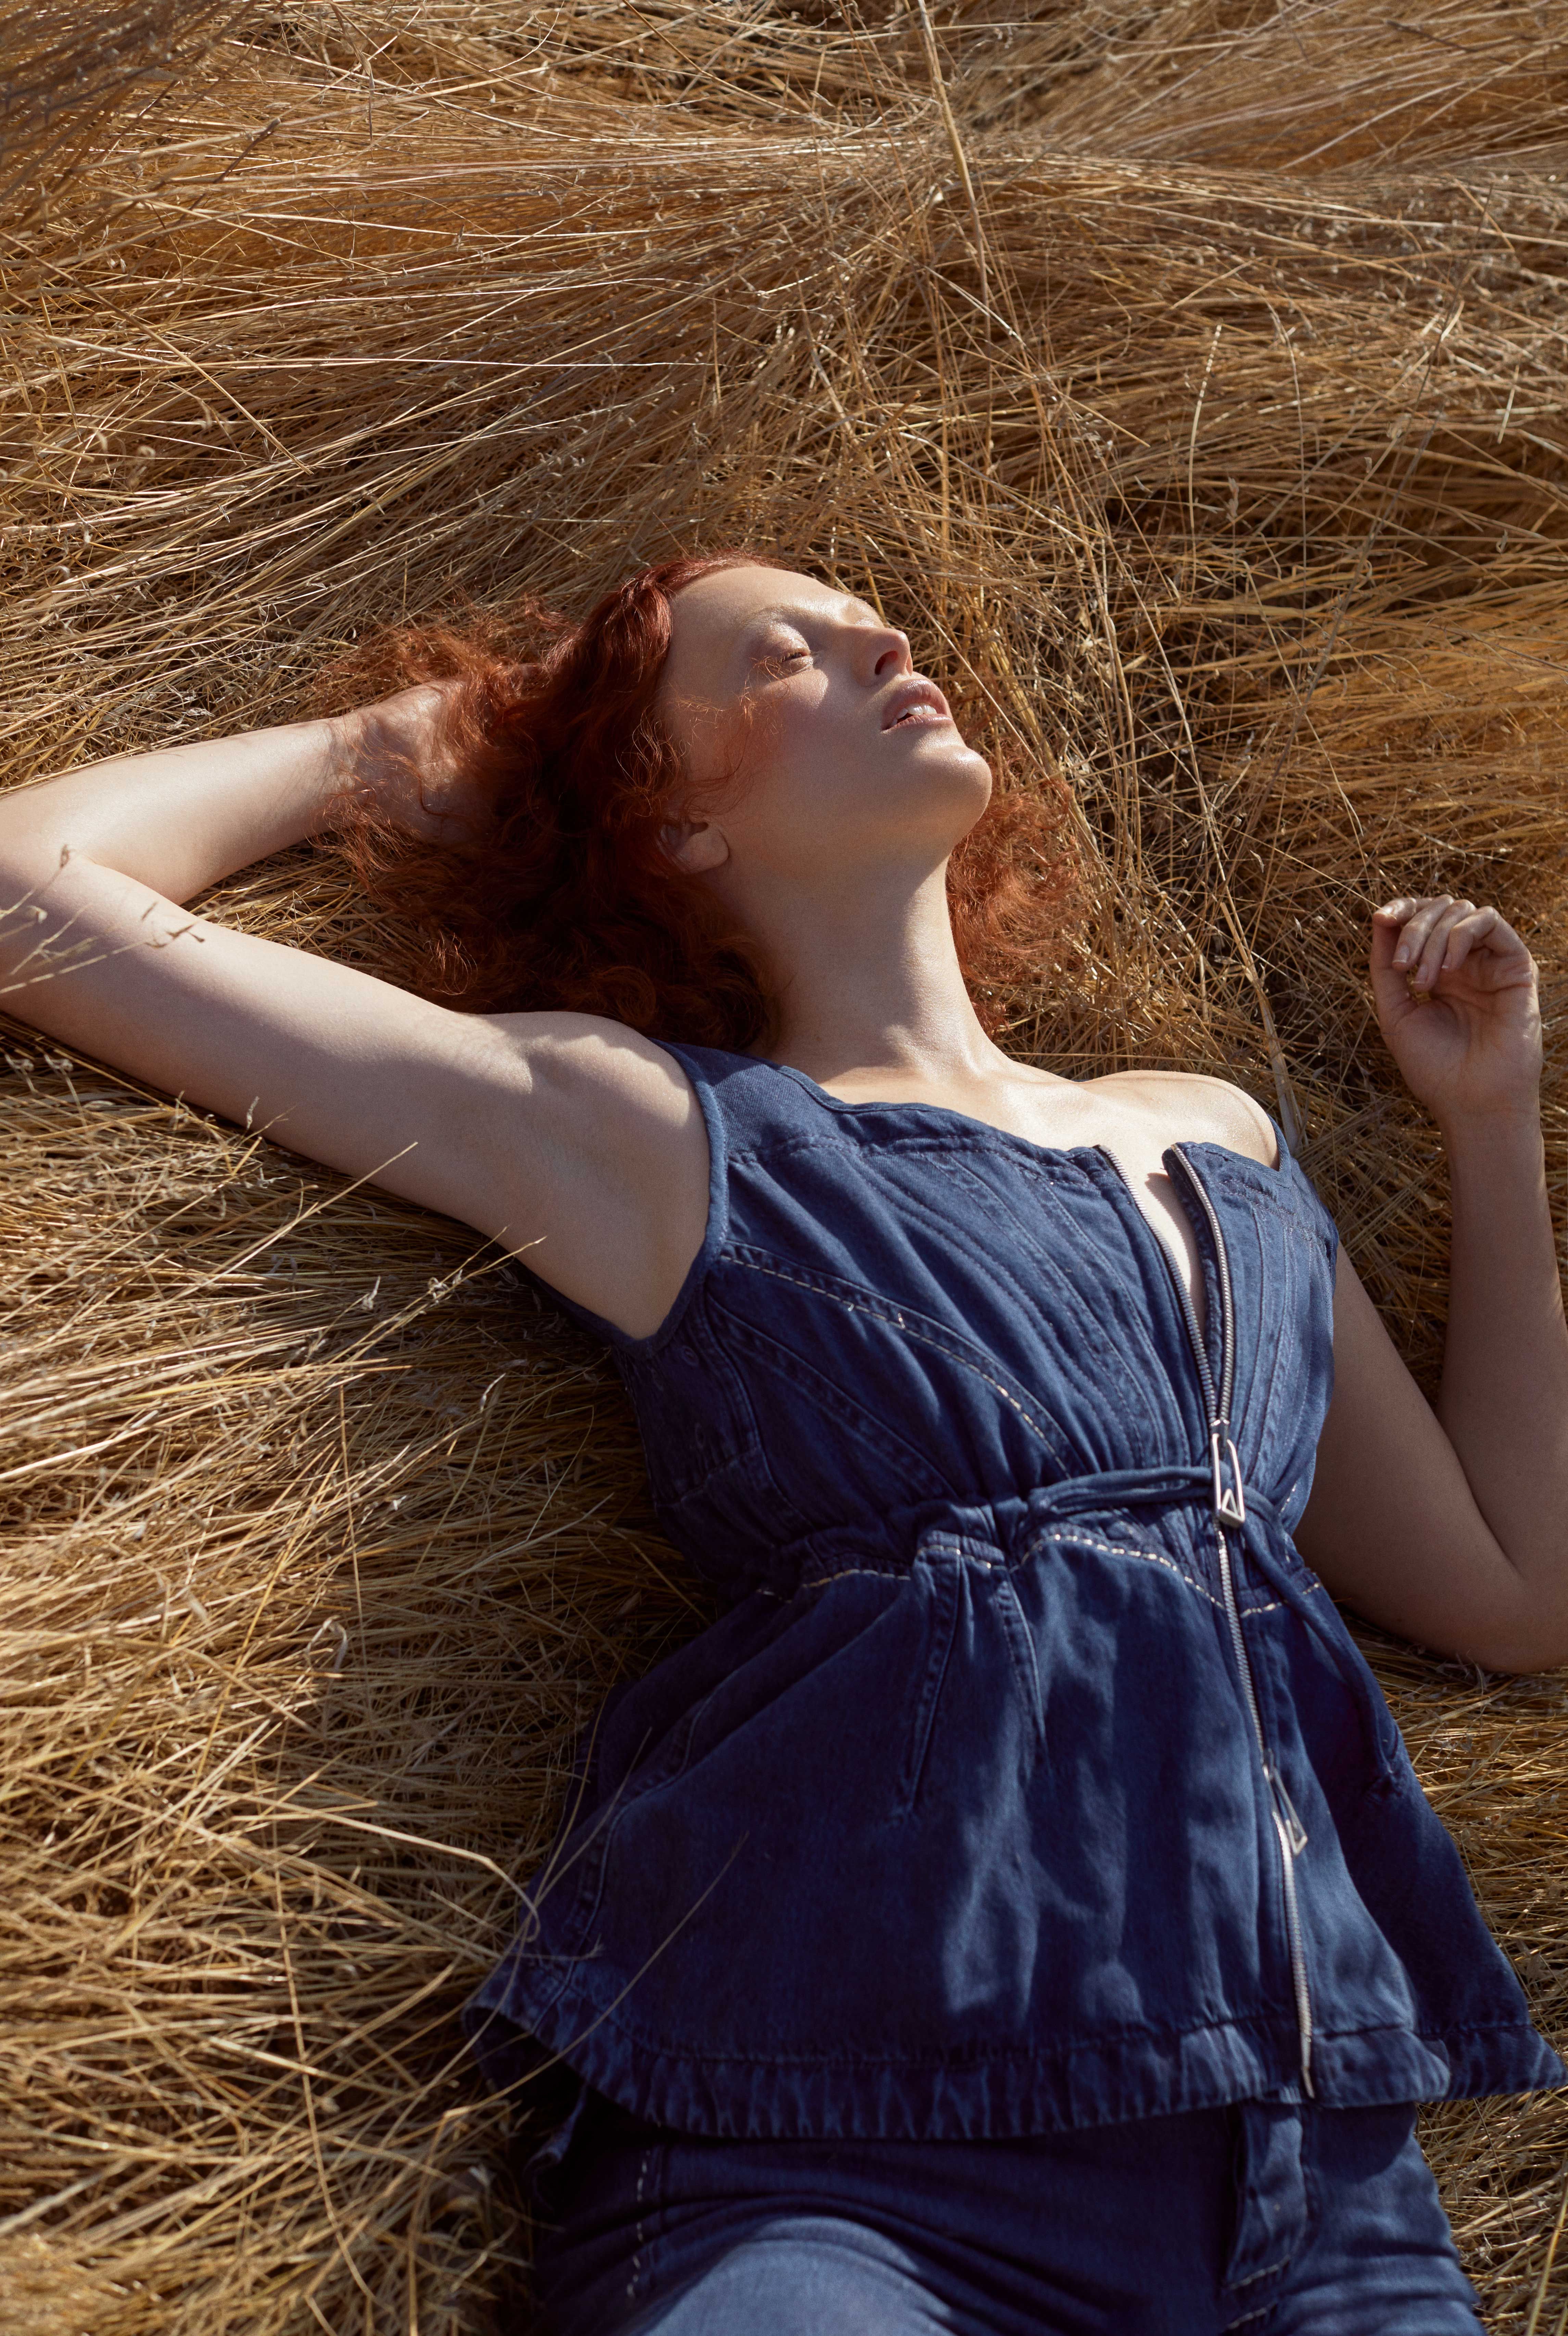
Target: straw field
{"x":1185,"y":375}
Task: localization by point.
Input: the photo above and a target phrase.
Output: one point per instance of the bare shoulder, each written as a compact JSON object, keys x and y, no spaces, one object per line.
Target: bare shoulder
{"x":1196,"y":1109}
{"x":571,"y":1097}
{"x":582,"y":1144}
{"x":589,"y":1061}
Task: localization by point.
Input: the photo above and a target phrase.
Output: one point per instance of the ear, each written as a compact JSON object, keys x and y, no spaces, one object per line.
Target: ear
{"x":695,"y":845}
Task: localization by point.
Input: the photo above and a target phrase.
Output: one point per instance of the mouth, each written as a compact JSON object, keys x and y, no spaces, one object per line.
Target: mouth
{"x":913,"y":705}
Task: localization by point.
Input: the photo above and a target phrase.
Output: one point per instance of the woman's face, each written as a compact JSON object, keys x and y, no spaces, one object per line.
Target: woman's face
{"x":831,"y":754}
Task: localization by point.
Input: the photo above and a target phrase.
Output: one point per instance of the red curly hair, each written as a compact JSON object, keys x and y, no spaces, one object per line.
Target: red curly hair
{"x":568,"y":899}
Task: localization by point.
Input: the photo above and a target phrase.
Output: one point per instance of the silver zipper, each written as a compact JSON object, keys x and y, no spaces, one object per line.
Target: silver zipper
{"x":1228,"y":1500}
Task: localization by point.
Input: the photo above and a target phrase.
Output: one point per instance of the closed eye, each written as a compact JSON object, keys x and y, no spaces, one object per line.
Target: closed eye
{"x":775,"y":661}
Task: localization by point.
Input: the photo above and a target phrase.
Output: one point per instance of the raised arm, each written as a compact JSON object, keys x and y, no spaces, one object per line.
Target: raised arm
{"x":559,"y":1133}
{"x":1452,"y":1528}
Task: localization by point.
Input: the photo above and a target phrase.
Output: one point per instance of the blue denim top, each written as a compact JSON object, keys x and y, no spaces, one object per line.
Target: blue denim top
{"x":1026,"y":1782}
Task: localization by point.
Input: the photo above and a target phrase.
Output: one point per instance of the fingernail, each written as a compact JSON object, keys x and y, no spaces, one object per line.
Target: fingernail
{"x":1401,"y":957}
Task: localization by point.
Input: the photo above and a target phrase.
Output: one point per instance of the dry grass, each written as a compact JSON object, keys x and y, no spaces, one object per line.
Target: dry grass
{"x":1189,"y":376}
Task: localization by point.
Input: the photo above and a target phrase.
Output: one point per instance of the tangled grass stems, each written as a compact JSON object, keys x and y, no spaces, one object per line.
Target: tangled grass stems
{"x":1211,"y":442}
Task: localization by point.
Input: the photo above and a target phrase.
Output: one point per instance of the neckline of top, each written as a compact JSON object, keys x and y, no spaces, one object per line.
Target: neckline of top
{"x":1098,"y":1152}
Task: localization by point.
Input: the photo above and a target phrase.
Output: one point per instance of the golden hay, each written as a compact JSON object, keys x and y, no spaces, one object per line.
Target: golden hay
{"x":1189,"y":379}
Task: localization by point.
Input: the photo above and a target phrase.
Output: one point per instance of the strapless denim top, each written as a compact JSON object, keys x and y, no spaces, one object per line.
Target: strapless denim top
{"x":1030,"y":1779}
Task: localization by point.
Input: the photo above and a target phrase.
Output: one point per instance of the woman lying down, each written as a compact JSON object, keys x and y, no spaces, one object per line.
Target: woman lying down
{"x":1018,"y":1913}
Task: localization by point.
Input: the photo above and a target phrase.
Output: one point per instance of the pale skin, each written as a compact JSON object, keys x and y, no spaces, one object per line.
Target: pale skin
{"x":579,"y":1144}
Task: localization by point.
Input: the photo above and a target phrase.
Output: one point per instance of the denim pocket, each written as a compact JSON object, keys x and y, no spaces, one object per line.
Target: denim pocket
{"x":1019,"y":1640}
{"x":937,"y":1581}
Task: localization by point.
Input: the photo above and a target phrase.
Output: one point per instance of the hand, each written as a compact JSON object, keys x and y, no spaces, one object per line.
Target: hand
{"x":1454,"y":989}
{"x":401,"y":749}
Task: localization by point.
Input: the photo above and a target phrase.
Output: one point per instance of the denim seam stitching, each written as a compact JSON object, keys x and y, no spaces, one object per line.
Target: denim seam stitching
{"x":1262,"y":2022}
{"x":1119,"y":1385}
{"x":1251,"y":2277}
{"x":897,"y":1318}
{"x":636,"y":2263}
{"x":851,"y":1416}
{"x":1149,"y":1557}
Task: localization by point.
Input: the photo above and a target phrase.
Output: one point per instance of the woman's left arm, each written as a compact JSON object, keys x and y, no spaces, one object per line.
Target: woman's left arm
{"x":1452,"y":1528}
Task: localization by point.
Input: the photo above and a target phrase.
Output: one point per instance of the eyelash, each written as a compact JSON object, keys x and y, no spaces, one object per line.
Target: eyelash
{"x":773,"y":661}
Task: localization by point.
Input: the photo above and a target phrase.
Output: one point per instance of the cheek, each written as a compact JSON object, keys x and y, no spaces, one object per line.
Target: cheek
{"x":778,"y":754}
{"x":712,"y":741}
{"x":823,"y":740}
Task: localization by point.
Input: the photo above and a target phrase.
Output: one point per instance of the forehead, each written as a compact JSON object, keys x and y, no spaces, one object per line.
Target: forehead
{"x":713,"y":619}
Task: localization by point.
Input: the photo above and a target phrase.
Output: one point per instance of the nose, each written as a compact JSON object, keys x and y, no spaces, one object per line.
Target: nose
{"x":890,"y":655}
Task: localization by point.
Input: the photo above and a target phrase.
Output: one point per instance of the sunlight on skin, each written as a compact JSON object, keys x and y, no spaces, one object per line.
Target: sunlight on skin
{"x":829,"y":785}
{"x":830,"y":846}
{"x":831,"y":849}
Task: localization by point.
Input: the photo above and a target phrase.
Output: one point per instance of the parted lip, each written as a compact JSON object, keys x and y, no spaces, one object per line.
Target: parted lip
{"x":913,"y":692}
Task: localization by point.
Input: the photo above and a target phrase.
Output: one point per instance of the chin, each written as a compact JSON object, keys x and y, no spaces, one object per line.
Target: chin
{"x":931,"y":743}
{"x":968,"y":773}
{"x":957,"y":791}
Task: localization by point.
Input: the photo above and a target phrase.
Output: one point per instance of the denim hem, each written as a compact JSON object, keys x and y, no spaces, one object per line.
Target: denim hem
{"x":1008,"y":2094}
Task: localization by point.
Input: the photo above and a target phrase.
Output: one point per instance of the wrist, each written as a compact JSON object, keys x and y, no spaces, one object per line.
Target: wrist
{"x":395,"y":750}
{"x":1501,"y":1134}
{"x":342,"y":746}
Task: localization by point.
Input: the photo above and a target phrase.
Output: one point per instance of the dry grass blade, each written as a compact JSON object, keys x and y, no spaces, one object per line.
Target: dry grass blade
{"x":64,"y":76}
{"x":1235,"y":483}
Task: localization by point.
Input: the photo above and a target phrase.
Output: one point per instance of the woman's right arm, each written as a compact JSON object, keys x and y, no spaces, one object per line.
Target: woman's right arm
{"x":564,"y":1135}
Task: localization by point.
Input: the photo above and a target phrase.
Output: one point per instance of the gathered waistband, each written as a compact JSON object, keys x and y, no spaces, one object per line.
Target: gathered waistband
{"x":1010,"y":1533}
{"x":1013,"y":1526}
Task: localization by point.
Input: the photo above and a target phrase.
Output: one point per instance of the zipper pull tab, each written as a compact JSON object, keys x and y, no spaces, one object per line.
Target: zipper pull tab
{"x":1290,"y":1825}
{"x":1229,"y":1494}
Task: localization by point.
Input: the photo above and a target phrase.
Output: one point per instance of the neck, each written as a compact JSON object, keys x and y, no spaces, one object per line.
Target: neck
{"x":867,"y":979}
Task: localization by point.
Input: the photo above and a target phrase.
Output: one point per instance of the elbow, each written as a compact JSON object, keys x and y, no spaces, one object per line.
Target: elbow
{"x":1521,"y":1649}
{"x":24,"y":883}
{"x":1514,"y":1619}
{"x":1515,"y":1662}
{"x":30,"y":861}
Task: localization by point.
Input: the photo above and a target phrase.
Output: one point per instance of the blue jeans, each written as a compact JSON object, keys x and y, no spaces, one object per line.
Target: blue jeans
{"x":1261,"y":2218}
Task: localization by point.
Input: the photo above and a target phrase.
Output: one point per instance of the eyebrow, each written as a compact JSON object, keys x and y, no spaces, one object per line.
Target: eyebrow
{"x":792,"y":612}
